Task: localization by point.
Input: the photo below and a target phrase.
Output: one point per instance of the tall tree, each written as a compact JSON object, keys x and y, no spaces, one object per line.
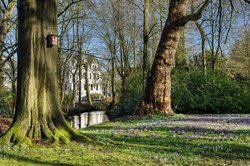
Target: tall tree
{"x":145,"y":41}
{"x":217,"y":21}
{"x":133,"y":36}
{"x":154,"y":30}
{"x":79,"y":58}
{"x":108,"y":34}
{"x":73,"y":72}
{"x":157,"y":93}
{"x":122,"y":63}
{"x":240,"y":55}
{"x":38,"y":110}
{"x":86,"y":76}
{"x":180,"y":57}
{"x":64,"y":55}
{"x":5,"y":18}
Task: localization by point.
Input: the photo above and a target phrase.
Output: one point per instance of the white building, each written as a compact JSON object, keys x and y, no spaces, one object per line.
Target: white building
{"x":96,"y":84}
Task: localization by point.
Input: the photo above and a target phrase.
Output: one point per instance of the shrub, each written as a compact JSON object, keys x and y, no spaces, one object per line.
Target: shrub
{"x":101,"y":105}
{"x":132,"y":96}
{"x":193,"y":92}
{"x":97,"y":96}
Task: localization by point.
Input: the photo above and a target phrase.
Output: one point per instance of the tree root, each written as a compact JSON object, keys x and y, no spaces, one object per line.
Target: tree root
{"x":15,"y":136}
{"x":18,"y":135}
{"x":78,"y":136}
{"x":143,"y":109}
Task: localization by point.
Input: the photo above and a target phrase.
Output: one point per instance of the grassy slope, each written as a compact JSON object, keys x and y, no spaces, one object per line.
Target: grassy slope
{"x":176,"y":140}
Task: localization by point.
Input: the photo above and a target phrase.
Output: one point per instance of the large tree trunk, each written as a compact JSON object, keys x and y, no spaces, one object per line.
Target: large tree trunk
{"x":157,"y":93}
{"x":38,"y":111}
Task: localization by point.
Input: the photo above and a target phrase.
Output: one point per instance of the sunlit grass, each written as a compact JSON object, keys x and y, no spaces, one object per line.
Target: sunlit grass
{"x":153,"y":140}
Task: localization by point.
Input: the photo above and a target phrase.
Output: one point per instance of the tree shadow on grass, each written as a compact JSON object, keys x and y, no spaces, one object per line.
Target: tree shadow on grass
{"x":204,"y":131}
{"x":171,"y":145}
{"x":32,"y":161}
{"x":191,"y":129}
{"x":194,"y":119}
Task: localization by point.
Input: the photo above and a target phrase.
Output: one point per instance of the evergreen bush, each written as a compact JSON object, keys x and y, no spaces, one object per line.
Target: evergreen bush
{"x":195,"y":92}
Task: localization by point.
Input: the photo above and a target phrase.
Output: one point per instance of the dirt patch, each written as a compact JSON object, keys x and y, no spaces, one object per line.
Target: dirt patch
{"x":4,"y":124}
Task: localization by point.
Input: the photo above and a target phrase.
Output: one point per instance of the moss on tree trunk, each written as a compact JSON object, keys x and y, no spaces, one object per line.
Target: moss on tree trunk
{"x":38,"y":112}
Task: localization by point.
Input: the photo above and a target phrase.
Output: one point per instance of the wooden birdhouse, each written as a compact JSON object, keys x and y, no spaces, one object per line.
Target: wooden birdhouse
{"x":51,"y":40}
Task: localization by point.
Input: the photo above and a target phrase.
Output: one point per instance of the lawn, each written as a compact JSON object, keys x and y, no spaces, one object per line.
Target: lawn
{"x":157,"y":140}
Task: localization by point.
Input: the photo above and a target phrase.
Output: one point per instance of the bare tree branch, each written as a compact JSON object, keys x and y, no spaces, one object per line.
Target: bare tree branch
{"x":4,"y":4}
{"x":231,"y":20}
{"x":8,"y":58}
{"x":136,"y":5}
{"x":69,"y":5}
{"x":151,"y":29}
{"x":76,"y":51}
{"x":193,"y":16}
{"x":247,"y":1}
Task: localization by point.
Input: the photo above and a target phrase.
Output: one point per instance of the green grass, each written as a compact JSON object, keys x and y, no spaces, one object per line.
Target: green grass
{"x":153,"y":140}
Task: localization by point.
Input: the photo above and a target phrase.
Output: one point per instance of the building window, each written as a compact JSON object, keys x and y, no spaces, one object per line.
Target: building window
{"x":94,"y":75}
{"x":91,"y":86}
{"x":96,"y":86}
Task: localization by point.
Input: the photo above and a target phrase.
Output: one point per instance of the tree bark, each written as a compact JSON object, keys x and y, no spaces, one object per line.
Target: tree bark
{"x":38,"y":111}
{"x":157,"y":93}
